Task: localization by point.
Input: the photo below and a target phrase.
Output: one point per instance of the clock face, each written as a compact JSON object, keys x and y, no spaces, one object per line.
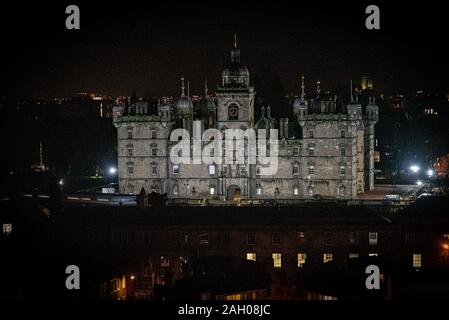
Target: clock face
{"x":233,"y":113}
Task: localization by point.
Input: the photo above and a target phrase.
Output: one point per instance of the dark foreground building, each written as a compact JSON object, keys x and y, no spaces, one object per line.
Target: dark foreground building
{"x":310,"y":252}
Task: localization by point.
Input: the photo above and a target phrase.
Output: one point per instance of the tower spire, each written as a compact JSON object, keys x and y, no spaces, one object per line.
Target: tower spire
{"x":188,"y":88}
{"x":235,"y":39}
{"x":352,"y":97}
{"x":205,"y":88}
{"x":302,"y":88}
{"x":182,"y":86}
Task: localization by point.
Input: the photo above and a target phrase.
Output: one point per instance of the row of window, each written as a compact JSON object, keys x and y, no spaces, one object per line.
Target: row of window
{"x":312,"y":135}
{"x":152,"y":134}
{"x":301,"y":258}
{"x":328,"y":238}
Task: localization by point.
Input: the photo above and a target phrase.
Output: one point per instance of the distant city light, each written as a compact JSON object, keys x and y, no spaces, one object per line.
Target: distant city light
{"x":430,"y":172}
{"x":112,"y":170}
{"x":419,"y":183}
{"x":61,"y":182}
{"x":446,"y":246}
{"x":414,"y":169}
{"x":132,"y":277}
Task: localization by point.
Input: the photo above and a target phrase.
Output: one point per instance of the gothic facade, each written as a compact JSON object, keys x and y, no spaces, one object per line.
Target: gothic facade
{"x":325,"y":151}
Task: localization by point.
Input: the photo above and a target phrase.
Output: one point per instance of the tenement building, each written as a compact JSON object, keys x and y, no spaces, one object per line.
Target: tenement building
{"x":325,"y":149}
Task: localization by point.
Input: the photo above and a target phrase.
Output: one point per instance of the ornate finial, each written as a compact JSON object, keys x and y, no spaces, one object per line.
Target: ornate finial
{"x":268,"y":112}
{"x":352,"y":97}
{"x":182,"y":86}
{"x":318,"y":89}
{"x":235,"y":40}
{"x":188,"y":88}
{"x":302,"y":88}
{"x":205,"y":88}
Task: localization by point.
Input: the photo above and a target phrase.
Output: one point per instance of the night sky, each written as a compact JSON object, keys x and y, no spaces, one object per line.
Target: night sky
{"x":146,"y":47}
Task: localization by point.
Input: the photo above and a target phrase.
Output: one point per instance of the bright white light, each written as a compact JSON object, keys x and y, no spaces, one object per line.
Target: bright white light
{"x":430,"y":172}
{"x":419,"y":183}
{"x":112,"y":170}
{"x":414,"y":169}
{"x":61,"y":182}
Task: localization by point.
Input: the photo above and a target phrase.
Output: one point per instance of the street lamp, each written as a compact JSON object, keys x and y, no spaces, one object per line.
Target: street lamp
{"x":414,"y":168}
{"x":430,"y":173}
{"x":112,"y":170}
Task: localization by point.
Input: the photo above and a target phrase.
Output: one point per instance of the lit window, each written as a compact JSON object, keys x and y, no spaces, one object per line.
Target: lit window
{"x":212,"y":169}
{"x":353,"y":237}
{"x":295,"y":191}
{"x":328,"y":239}
{"x":259,"y":190}
{"x":310,"y":191}
{"x":184,"y":238}
{"x":276,"y":239}
{"x":343,"y":152}
{"x":175,"y":168}
{"x":301,"y":236}
{"x":130,"y":134}
{"x":153,"y":134}
{"x":7,"y":229}
{"x":327,"y":257}
{"x":153,"y":152}
{"x":295,"y":151}
{"x":301,"y":259}
{"x":417,"y":260}
{"x":373,"y":255}
{"x":296,"y":169}
{"x":353,"y":255}
{"x":372,"y":236}
{"x":277,"y":260}
{"x":154,"y":170}
{"x":251,"y":239}
{"x":204,"y":239}
{"x":165,"y":262}
{"x":251,"y":256}
{"x":211,"y":190}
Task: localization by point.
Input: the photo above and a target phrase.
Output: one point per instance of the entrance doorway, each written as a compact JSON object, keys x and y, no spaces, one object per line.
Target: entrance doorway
{"x":233,"y":193}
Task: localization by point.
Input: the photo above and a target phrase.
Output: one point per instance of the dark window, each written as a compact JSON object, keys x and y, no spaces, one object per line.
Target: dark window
{"x":354,"y":237}
{"x":251,"y":239}
{"x":328,"y":240}
{"x":276,"y":238}
{"x":233,"y":112}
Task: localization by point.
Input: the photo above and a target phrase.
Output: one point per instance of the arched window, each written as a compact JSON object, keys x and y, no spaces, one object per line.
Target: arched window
{"x":258,"y":190}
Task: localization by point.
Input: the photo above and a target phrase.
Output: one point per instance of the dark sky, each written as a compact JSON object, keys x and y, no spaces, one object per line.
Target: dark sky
{"x":138,"y":45}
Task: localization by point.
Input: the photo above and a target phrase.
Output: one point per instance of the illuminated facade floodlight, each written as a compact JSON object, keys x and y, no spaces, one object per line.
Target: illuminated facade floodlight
{"x":430,"y":172}
{"x":61,"y":182}
{"x":112,"y":170}
{"x":419,"y":183}
{"x":414,"y":168}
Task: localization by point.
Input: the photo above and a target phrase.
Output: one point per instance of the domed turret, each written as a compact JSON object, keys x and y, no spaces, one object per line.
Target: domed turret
{"x":235,"y":74}
{"x":184,"y":106}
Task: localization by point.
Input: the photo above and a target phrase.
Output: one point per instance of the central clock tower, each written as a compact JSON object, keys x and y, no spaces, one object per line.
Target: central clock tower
{"x":235,"y":97}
